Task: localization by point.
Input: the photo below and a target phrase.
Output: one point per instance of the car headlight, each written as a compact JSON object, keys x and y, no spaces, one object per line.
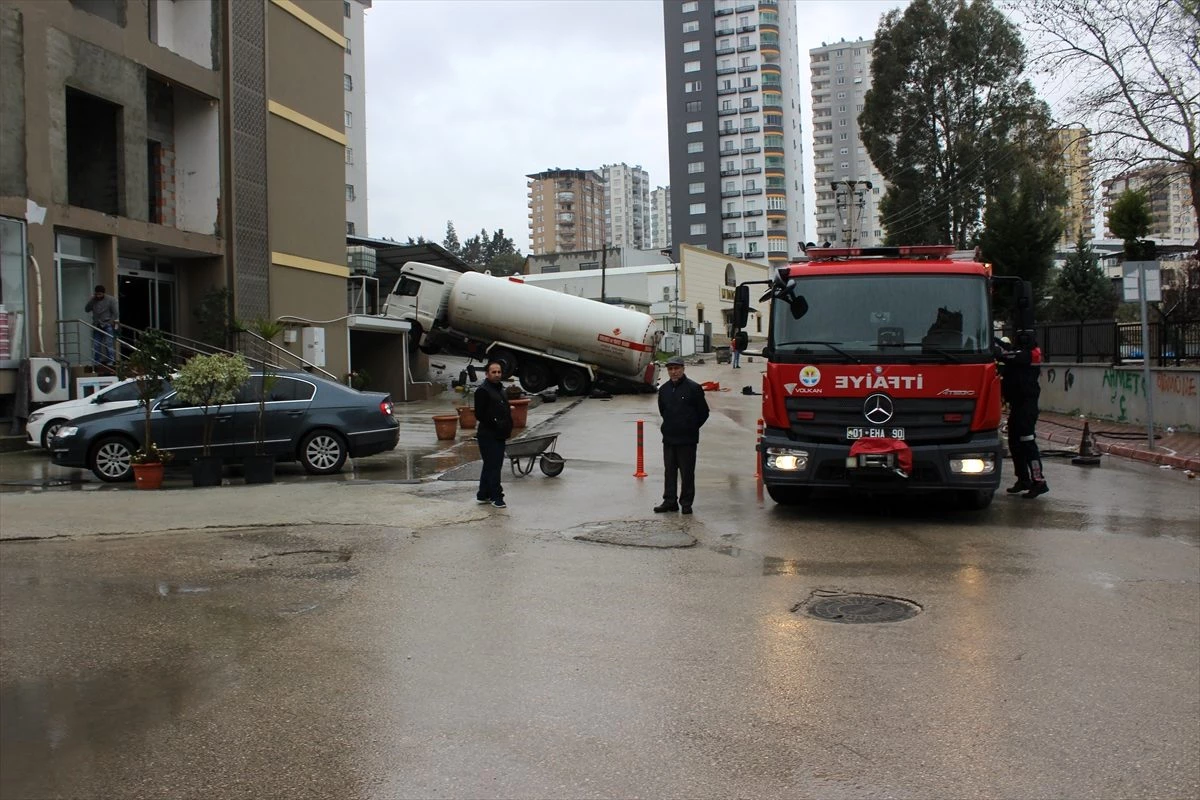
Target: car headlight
{"x":973,"y":464}
{"x":787,"y":459}
{"x":35,"y":416}
{"x":66,"y":431}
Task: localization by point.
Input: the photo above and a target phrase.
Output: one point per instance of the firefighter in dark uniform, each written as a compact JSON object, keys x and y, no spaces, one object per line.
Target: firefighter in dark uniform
{"x":1020,"y":375}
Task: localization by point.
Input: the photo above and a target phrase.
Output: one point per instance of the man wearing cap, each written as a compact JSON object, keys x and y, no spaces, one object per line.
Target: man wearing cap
{"x":684,"y":410}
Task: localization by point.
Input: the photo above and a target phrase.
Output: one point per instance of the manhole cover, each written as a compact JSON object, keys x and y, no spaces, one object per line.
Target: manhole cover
{"x":852,"y":608}
{"x":633,"y":533}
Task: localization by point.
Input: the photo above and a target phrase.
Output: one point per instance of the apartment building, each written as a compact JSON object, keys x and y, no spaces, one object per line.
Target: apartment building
{"x":355,"y":88}
{"x":1075,"y":144}
{"x":733,"y":113}
{"x":566,"y":210}
{"x":848,"y":188}
{"x":626,"y":206}
{"x":1173,"y":217}
{"x":660,"y":218}
{"x":169,"y":150}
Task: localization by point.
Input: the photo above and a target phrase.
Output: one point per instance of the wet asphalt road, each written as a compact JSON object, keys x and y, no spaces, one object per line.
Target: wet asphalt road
{"x":392,"y":639}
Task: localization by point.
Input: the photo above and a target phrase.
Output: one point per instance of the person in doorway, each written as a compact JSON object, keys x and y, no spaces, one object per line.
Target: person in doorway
{"x":735,"y":354}
{"x":495,"y":425}
{"x":1020,"y":374}
{"x":104,"y":323}
{"x":684,"y":411}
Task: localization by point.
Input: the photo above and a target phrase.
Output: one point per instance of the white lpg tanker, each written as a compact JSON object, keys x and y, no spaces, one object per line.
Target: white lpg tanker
{"x":543,"y":337}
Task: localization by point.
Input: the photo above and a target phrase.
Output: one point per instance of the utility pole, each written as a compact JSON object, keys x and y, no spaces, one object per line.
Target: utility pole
{"x":851,"y":199}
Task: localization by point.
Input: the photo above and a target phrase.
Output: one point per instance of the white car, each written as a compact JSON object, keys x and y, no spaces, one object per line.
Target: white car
{"x":46,"y":420}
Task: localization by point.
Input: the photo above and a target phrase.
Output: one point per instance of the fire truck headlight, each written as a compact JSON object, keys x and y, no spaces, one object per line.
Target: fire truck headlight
{"x":786,"y":459}
{"x":983,"y":464}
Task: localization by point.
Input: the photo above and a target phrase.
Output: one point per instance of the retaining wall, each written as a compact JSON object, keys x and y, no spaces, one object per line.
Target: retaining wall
{"x":1119,"y":393}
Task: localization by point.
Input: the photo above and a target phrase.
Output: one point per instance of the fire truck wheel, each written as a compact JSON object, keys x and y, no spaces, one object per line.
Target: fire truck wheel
{"x":976,"y":499}
{"x":789,"y":495}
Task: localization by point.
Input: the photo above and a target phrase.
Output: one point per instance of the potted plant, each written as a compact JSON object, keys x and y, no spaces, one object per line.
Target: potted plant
{"x":518,"y":404}
{"x":150,"y":365}
{"x":260,"y":467}
{"x":466,"y":411}
{"x":209,"y":382}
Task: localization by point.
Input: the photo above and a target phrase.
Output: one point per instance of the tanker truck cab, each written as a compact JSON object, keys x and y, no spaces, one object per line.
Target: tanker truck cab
{"x":880,"y":375}
{"x":420,"y":294}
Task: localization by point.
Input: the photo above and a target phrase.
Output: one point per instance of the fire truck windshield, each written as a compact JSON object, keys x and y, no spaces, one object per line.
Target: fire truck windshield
{"x":885,"y":317}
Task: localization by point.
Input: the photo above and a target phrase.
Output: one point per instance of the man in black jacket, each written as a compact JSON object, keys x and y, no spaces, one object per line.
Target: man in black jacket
{"x":684,"y":410}
{"x":494,"y":427}
{"x":1020,"y":371}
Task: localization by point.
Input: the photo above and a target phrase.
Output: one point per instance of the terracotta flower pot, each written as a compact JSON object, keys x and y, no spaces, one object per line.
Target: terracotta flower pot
{"x":446,"y":425}
{"x":466,"y":417}
{"x":520,"y":411}
{"x":148,"y":476}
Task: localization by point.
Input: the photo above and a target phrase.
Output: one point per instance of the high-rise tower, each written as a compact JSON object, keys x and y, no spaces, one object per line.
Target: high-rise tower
{"x":733,"y":114}
{"x":355,"y":86}
{"x":626,"y":206}
{"x":566,"y":211}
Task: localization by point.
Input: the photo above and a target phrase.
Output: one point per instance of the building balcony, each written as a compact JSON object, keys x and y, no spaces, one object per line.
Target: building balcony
{"x":722,"y":12}
{"x":725,"y":51}
{"x":770,"y":5}
{"x":755,"y":234}
{"x":729,"y":173}
{"x":769,"y":128}
{"x":731,"y":193}
{"x":730,"y":214}
{"x":755,"y":254}
{"x":776,"y":191}
{"x":751,"y":88}
{"x":729,"y":132}
{"x":726,"y":70}
{"x":747,"y":29}
{"x":730,"y":90}
{"x":734,"y":253}
{"x":747,"y":48}
{"x":749,"y":109}
{"x":754,"y":212}
{"x":725,"y":112}
{"x":748,"y":192}
{"x":750,"y":150}
{"x":745,"y":8}
{"x":770,"y":48}
{"x":773,"y":107}
{"x":774,"y":253}
{"x":750,"y":171}
{"x":724,"y":32}
{"x":777,"y":233}
{"x":731,"y":235}
{"x":750,"y":129}
{"x":769,"y":27}
{"x":750,"y":68}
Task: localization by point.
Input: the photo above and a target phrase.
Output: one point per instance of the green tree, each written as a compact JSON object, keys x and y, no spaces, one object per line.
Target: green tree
{"x":1081,"y":290}
{"x":451,"y":242}
{"x":507,"y":264}
{"x":947,"y":117}
{"x":1129,"y":217}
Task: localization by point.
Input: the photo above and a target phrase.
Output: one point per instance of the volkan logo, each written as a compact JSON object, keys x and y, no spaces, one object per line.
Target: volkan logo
{"x":810,"y":376}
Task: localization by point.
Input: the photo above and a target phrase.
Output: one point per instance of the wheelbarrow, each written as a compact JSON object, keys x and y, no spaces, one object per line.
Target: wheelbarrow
{"x":523,"y":453}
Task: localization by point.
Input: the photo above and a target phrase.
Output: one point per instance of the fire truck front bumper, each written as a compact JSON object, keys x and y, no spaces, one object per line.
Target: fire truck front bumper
{"x":883,"y":464}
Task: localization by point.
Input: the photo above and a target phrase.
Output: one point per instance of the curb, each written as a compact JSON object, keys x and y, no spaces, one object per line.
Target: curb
{"x":1132,"y":453}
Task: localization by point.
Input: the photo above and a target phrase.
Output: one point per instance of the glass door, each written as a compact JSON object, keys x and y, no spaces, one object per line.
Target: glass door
{"x":75,"y":265}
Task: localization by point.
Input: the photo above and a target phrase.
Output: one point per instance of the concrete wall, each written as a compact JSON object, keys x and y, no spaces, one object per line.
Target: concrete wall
{"x":1119,"y":393}
{"x":197,"y":163}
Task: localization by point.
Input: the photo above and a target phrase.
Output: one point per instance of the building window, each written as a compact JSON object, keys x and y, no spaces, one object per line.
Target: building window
{"x":691,"y":26}
{"x":696,"y":208}
{"x":349,"y":120}
{"x":695,"y":147}
{"x":346,"y":9}
{"x":689,"y":7}
{"x":695,"y":167}
{"x":348,"y":82}
{"x":691,"y":86}
{"x":695,"y":127}
{"x":692,"y":106}
{"x":696,"y":188}
{"x":349,"y":228}
{"x":699,"y":229}
{"x":691,"y":66}
{"x":349,"y":192}
{"x":349,"y":155}
{"x":691,"y":47}
{"x":347,"y":44}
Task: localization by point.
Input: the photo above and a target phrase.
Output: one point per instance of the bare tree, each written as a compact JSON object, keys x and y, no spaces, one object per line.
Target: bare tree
{"x":1136,"y":64}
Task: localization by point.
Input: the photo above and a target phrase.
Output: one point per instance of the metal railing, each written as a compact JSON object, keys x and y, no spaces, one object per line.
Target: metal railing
{"x":1172,"y":343}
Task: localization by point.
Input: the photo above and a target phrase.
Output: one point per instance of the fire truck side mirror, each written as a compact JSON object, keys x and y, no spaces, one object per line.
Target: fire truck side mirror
{"x":741,"y":306}
{"x":742,"y":340}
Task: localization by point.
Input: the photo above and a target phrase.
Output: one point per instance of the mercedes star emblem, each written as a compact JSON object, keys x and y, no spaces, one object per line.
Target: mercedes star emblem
{"x":878,"y":409}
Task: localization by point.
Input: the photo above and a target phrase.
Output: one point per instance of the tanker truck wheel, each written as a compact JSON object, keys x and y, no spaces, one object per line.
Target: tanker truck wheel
{"x":534,"y":376}
{"x":574,"y":381}
{"x":507,"y":359}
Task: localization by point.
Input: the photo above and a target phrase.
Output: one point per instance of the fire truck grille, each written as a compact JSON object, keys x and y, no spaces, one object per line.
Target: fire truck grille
{"x":924,"y":420}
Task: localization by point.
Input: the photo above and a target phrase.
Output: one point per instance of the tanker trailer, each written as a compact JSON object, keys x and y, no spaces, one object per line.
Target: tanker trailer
{"x":542,"y":337}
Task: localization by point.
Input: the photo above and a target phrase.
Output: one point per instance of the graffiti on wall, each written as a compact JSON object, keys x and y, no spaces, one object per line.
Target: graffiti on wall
{"x":1123,"y":384}
{"x":1182,"y":385}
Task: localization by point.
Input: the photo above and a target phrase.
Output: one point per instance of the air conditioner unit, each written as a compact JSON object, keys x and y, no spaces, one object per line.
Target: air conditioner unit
{"x":49,"y":381}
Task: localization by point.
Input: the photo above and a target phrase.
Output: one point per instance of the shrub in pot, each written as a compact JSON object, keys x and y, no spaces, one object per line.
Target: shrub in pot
{"x":208,"y":382}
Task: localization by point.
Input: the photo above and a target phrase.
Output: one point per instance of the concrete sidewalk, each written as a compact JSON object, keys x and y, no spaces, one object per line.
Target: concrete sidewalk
{"x":1177,"y":449}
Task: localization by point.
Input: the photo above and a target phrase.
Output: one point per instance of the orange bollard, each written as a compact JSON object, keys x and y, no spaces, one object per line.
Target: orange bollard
{"x":641,"y":464}
{"x":758,"y":452}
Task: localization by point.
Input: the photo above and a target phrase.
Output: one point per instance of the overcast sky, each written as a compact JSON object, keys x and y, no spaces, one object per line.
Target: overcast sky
{"x":467,"y":97}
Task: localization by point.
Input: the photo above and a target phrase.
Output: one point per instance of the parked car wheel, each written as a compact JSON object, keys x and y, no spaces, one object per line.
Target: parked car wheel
{"x":112,"y":459}
{"x":323,"y":453}
{"x":48,"y":431}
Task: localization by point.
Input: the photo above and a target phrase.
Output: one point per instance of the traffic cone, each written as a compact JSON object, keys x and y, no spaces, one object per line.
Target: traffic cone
{"x":1088,"y":457}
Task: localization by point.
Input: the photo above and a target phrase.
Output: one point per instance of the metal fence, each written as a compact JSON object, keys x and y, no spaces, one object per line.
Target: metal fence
{"x":1172,"y":343}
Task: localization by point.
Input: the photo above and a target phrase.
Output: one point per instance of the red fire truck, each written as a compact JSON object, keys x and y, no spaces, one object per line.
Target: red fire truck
{"x":880,"y":373}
